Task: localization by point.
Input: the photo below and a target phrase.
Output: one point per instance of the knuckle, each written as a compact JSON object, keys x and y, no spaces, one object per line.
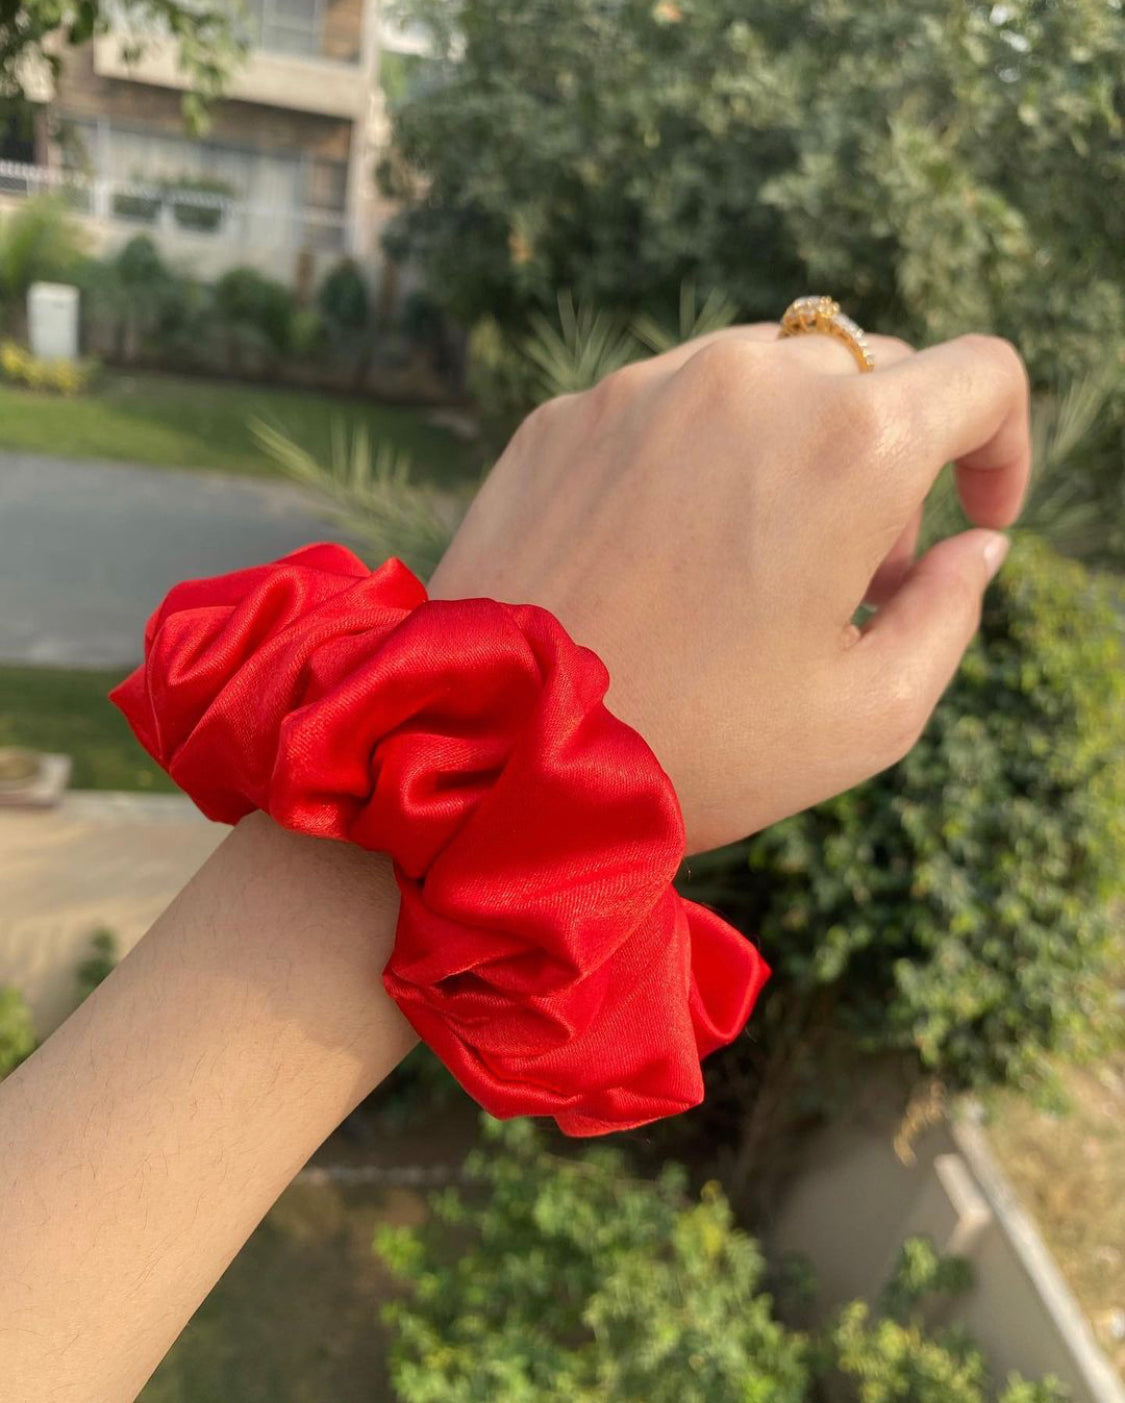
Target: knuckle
{"x":543,"y":419}
{"x":617,"y":391}
{"x":724,"y":369}
{"x":897,"y":344}
{"x":999,"y":350}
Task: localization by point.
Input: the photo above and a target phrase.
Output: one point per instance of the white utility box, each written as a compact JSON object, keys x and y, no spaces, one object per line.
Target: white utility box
{"x":52,"y":321}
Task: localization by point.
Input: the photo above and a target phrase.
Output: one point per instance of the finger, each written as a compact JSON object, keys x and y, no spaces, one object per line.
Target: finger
{"x":821,"y":352}
{"x":965,"y":400}
{"x":816,"y":352}
{"x":897,"y":564}
{"x":913,"y":645}
{"x":678,"y":356}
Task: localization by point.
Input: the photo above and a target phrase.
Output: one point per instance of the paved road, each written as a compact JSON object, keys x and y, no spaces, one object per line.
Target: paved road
{"x":88,"y":549}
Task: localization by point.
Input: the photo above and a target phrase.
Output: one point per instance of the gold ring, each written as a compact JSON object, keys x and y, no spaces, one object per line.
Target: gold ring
{"x":822,"y":315}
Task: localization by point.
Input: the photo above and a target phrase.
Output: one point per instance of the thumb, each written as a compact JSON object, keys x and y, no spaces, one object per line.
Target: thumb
{"x":912,"y":647}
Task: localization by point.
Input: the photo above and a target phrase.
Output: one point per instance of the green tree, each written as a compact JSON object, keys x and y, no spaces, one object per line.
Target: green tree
{"x":941,"y":166}
{"x":962,"y":166}
{"x":612,"y":149}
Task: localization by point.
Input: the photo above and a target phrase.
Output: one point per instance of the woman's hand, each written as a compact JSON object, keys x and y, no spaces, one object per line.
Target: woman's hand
{"x":709,"y":521}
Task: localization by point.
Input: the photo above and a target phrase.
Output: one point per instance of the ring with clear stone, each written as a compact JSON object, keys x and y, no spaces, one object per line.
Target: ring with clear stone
{"x":822,"y":315}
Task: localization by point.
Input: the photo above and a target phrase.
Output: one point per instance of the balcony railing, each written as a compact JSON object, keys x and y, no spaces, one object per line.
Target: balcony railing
{"x":175,"y":211}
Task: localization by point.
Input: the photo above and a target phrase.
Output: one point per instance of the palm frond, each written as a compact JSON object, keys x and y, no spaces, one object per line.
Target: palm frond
{"x":716,"y":314}
{"x":369,"y":490}
{"x":584,"y":347}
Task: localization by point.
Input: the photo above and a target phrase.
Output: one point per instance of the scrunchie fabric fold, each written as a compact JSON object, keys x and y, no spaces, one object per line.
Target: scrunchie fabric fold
{"x":541,"y":949}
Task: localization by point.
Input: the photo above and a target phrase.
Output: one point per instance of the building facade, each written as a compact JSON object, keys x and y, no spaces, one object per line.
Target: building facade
{"x":283,"y":179}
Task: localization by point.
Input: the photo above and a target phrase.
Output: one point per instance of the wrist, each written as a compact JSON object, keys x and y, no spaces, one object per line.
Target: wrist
{"x":541,"y":949}
{"x":327,"y":957}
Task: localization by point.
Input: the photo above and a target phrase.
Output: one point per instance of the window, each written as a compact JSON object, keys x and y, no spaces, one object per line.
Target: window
{"x":287,"y":26}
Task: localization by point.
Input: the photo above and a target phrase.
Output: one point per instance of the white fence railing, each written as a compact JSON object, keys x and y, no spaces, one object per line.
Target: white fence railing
{"x":184,"y":212}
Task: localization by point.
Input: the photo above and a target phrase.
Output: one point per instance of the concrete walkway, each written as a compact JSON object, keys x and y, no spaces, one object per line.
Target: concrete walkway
{"x":98,"y":860}
{"x":88,"y":549}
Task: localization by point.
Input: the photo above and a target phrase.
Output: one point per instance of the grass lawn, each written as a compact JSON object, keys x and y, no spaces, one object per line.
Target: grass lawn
{"x":1069,"y":1170}
{"x":51,"y":708}
{"x":295,"y":1319}
{"x":172,"y":422}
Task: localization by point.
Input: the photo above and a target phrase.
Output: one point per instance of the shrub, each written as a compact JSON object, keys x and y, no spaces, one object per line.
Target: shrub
{"x":139,"y":264}
{"x":137,"y":308}
{"x":956,"y":911}
{"x":39,"y":242}
{"x":98,"y":965}
{"x":574,"y":1281}
{"x":886,"y":1355}
{"x":61,"y":377}
{"x":256,"y":311}
{"x":347,"y":316}
{"x":567,"y":1279}
{"x":17,"y":1036}
{"x":344,"y":301}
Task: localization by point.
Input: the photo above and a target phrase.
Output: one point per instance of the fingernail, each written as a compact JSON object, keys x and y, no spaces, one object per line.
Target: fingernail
{"x":995,"y":553}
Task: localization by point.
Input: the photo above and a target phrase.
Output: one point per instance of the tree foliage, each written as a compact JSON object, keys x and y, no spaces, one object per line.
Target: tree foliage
{"x":940,"y":166}
{"x":612,"y":149}
{"x":568,"y":1279}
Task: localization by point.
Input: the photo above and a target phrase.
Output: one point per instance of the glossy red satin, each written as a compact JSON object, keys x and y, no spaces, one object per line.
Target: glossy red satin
{"x":541,"y":949}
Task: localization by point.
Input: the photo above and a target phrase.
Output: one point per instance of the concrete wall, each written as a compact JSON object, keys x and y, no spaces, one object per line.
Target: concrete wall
{"x":277,"y":80}
{"x":88,"y":90}
{"x":856,"y":1202}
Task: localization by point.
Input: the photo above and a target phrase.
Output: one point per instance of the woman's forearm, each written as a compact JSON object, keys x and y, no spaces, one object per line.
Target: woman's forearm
{"x":147,"y":1138}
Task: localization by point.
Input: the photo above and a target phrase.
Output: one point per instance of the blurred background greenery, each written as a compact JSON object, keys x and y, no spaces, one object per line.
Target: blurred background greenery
{"x":576,"y":187}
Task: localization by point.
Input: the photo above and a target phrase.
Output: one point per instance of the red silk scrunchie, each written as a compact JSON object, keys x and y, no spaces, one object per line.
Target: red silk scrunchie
{"x":541,"y":949}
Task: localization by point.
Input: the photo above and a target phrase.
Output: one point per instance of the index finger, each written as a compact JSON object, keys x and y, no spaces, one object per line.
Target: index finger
{"x":966,"y":400}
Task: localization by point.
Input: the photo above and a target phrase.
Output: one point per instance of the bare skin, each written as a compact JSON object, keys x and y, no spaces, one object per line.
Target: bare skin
{"x":707,"y":522}
{"x":146,"y":1139}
